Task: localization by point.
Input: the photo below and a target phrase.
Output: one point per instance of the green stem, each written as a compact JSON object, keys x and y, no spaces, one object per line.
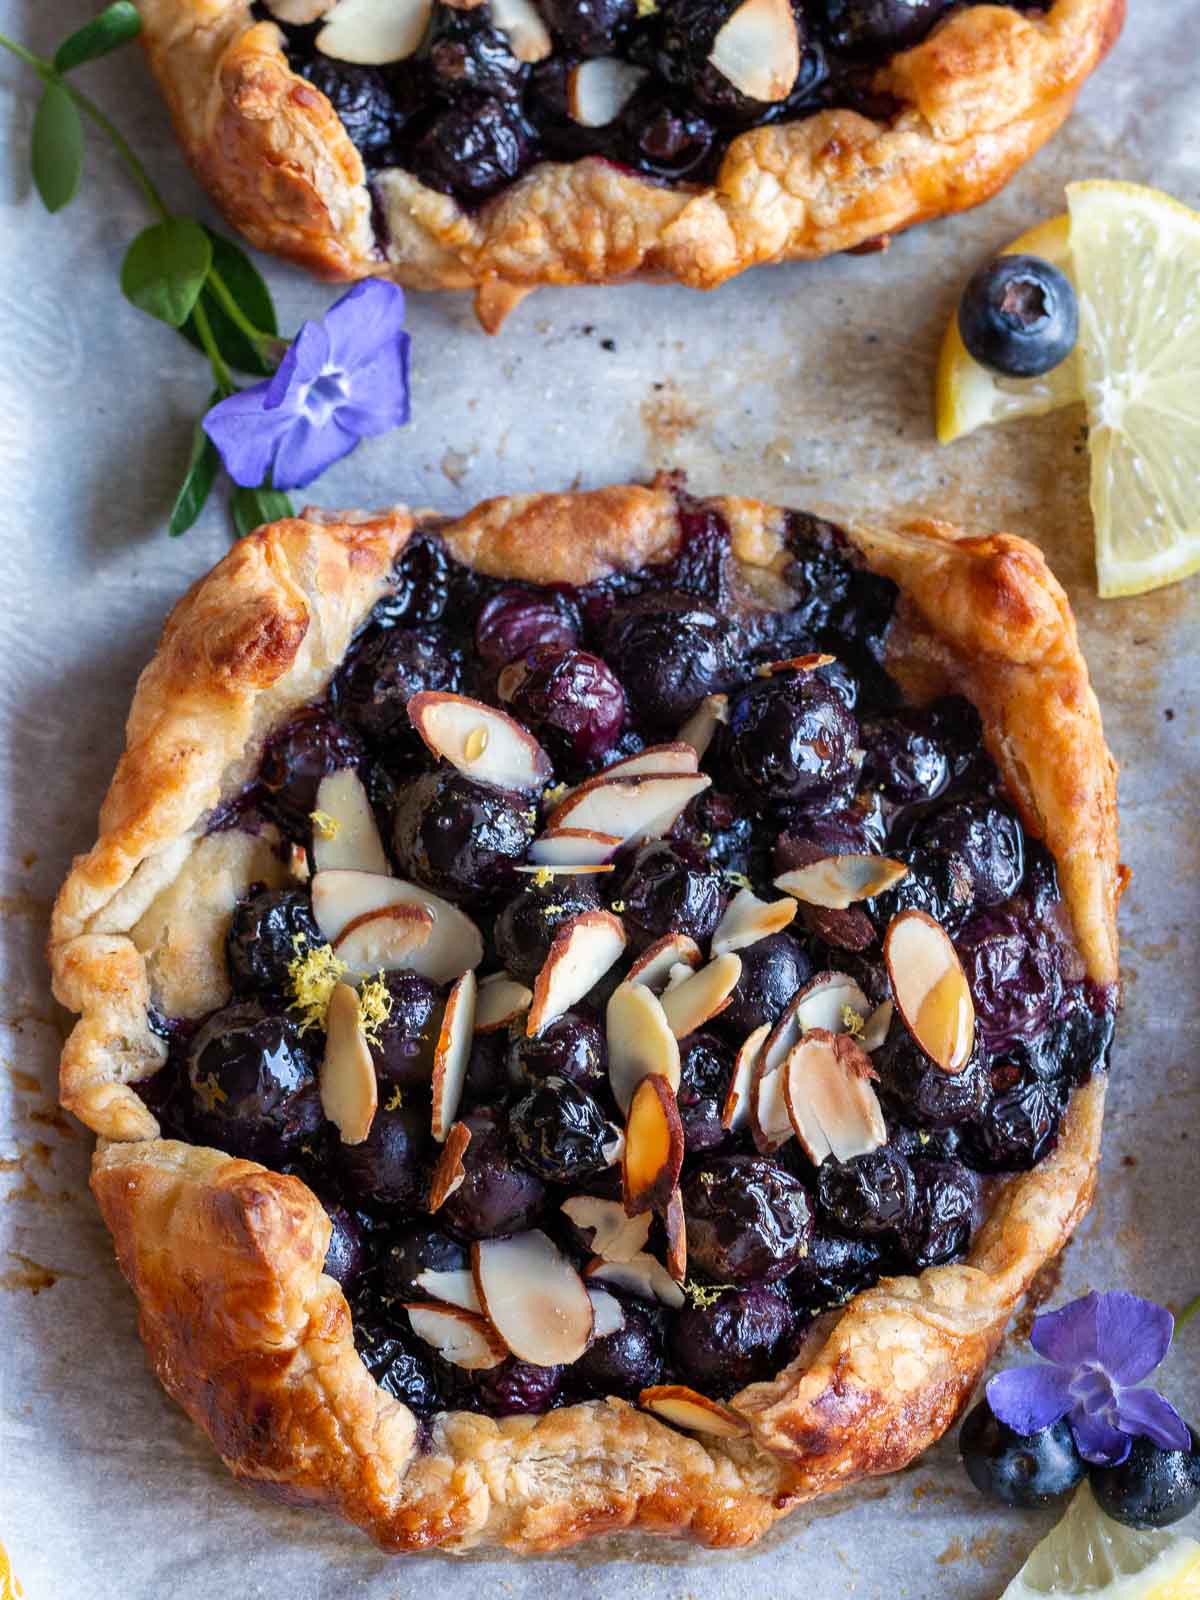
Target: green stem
{"x":1188,"y":1312}
{"x":44,"y":69}
{"x":234,"y":312}
{"x":216,"y":360}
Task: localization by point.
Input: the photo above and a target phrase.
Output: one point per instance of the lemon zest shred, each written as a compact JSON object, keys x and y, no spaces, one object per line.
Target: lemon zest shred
{"x":396,"y":1101}
{"x":542,"y":877}
{"x":853,"y":1021}
{"x":210,"y":1093}
{"x":738,"y":878}
{"x":703,"y":1295}
{"x":374,"y":1007}
{"x":314,"y":975}
{"x":327,"y":826}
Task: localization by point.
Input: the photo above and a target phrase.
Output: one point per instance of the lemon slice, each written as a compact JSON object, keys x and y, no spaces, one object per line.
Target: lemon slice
{"x":1137,"y":272}
{"x":968,"y":396}
{"x":1088,"y":1553}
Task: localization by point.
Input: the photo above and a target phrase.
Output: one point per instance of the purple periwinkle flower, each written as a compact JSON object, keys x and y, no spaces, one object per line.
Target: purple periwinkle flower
{"x":1099,"y":1349}
{"x":345,"y":378}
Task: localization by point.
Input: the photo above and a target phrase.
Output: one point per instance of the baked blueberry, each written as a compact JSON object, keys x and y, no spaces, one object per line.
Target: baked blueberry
{"x":669,"y":651}
{"x":1014,"y":969}
{"x":559,"y":1132}
{"x":747,"y":1219}
{"x":466,"y":54}
{"x":944,"y":1215}
{"x":473,"y":149}
{"x":871,"y":1197}
{"x":904,"y":760}
{"x":402,"y":1365}
{"x":346,"y":1253}
{"x":363,"y":101}
{"x":487,"y":1079}
{"x":511,"y":1389}
{"x":569,"y":699}
{"x":262,"y":941}
{"x":1018,"y":1126}
{"x":625,"y":1362}
{"x":670,"y":889}
{"x":773,"y":970}
{"x":789,"y":737}
{"x":497,"y":1195}
{"x":879,"y":25}
{"x":1019,"y":316}
{"x":421,"y":583}
{"x":917,"y":1087}
{"x":389,"y":1170}
{"x":939,"y":882}
{"x":988,"y":838}
{"x":742,"y":1337}
{"x":589,"y":27}
{"x":706,"y":1069}
{"x":517,"y":620}
{"x":1152,"y":1487}
{"x":571,"y":1047}
{"x":253,"y":1084}
{"x":387,"y":667}
{"x":294,"y":760}
{"x":524,"y":930}
{"x":404,"y":1043}
{"x":833,"y":1269}
{"x":1021,"y":1469}
{"x":418,"y":1247}
{"x":463,"y":839}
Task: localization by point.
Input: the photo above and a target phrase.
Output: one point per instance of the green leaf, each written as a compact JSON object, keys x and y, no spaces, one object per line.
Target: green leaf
{"x":253,"y":507}
{"x":202,"y":469}
{"x":248,"y":287}
{"x":57,"y":147}
{"x":116,"y":25}
{"x":165,"y":268}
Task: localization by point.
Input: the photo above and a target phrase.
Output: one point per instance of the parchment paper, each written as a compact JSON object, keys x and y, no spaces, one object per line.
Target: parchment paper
{"x":803,"y":385}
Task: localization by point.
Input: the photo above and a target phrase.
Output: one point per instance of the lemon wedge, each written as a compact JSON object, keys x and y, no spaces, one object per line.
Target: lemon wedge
{"x":968,"y":396}
{"x":1089,"y":1554}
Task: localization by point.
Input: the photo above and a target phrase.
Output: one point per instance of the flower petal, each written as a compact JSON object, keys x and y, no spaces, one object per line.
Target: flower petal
{"x":1146,"y":1412}
{"x":366,"y":318}
{"x":1027,"y":1399}
{"x":379,"y":399}
{"x":306,"y":449}
{"x":1068,"y":1337}
{"x":1132,"y":1335}
{"x":1097,"y":1440}
{"x":246,"y":435}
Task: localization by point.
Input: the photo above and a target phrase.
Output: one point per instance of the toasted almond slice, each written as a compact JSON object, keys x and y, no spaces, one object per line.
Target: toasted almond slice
{"x":581,"y":870}
{"x":500,"y":1001}
{"x":482,"y":742}
{"x":448,"y":1173}
{"x":582,"y":951}
{"x":452,"y":1054}
{"x":836,"y":882}
{"x":614,"y":1149}
{"x":695,"y":1001}
{"x":599,"y":90}
{"x":340,"y":898}
{"x":354,"y":841}
{"x":371,"y":33}
{"x":615,"y":1236}
{"x":527,"y":33}
{"x":574,"y":847}
{"x":675,"y":1227}
{"x":383,"y":941}
{"x":462,"y":1337}
{"x":643,"y":1276}
{"x":701,"y":726}
{"x":349,"y":1092}
{"x":640,"y":1041}
{"x":633,"y":808}
{"x":679,"y":973}
{"x":297,"y":863}
{"x":748,"y":919}
{"x":832,"y":1106}
{"x":298,"y":13}
{"x":689,"y":1409}
{"x":875,"y":1030}
{"x":657,"y":962}
{"x":456,"y":1287}
{"x":809,"y":663}
{"x":534,"y":1298}
{"x":653,"y":1146}
{"x":656,"y":760}
{"x":930,"y":989}
{"x":608,"y":1315}
{"x":770,"y":1125}
{"x":736,"y":1111}
{"x":826,"y":1001}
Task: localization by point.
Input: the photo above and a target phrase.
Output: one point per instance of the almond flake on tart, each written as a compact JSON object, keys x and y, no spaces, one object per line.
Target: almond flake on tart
{"x":353,"y":841}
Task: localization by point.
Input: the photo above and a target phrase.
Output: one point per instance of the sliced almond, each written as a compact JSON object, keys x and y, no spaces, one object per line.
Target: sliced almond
{"x":297,"y":863}
{"x":832,"y":1106}
{"x":615,"y":1236}
{"x":340,"y":898}
{"x":875,"y":1030}
{"x":582,"y":870}
{"x":456,"y":1287}
{"x":930,"y":989}
{"x":657,"y":962}
{"x":748,"y":919}
{"x":462,"y":1337}
{"x":298,"y":13}
{"x":371,"y":33}
{"x":689,"y":1409}
{"x":702,"y":995}
{"x":500,"y":1001}
{"x":353,"y":842}
{"x":452,"y":1054}
{"x":599,"y":90}
{"x":448,"y":1173}
{"x":643,"y":1276}
{"x":574,"y":847}
{"x":655,"y":760}
{"x":635,"y":808}
{"x":640,"y":1041}
{"x":736,"y":1111}
{"x":701,"y":726}
{"x":527,"y":34}
{"x":829,"y":1000}
{"x":770,"y":1124}
{"x":384,"y":941}
{"x":614,"y":1148}
{"x":582,"y":951}
{"x":608,"y":1315}
{"x":534,"y":1298}
{"x":653,"y":1146}
{"x":808,"y":663}
{"x":349,"y":1092}
{"x":482,"y":742}
{"x":675,"y":1227}
{"x":837,"y":882}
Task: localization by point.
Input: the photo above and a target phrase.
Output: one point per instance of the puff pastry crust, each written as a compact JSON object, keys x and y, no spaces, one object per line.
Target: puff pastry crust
{"x":225,"y":1257}
{"x":976,"y":99}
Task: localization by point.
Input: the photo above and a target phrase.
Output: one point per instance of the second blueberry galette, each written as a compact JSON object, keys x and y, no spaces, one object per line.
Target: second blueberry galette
{"x":503,"y":144}
{"x":595,"y":1011}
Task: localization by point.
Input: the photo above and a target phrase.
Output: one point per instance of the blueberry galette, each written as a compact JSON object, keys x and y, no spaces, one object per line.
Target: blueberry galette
{"x":503,"y":144}
{"x":595,"y":1011}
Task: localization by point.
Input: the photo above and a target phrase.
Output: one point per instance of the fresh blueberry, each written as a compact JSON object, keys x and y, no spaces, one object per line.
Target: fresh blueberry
{"x":747,"y":1219}
{"x":1019,"y":316}
{"x":1152,"y":1488}
{"x":463,"y":839}
{"x":1024,"y":1470}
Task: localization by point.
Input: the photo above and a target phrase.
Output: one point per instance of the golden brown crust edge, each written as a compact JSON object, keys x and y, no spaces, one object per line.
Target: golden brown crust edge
{"x":225,"y":1257}
{"x":977,"y":98}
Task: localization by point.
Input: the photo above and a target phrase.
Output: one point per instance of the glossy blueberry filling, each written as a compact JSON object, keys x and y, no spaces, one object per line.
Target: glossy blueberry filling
{"x":828,"y":760}
{"x":468,"y":117}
